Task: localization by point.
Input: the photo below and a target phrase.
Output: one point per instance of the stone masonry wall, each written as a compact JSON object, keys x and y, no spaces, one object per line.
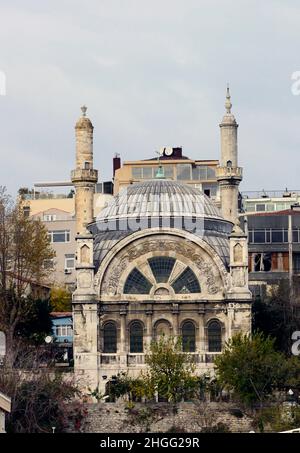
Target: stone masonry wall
{"x":161,"y":417}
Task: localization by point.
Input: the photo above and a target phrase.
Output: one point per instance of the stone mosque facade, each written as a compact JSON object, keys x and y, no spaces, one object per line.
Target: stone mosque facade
{"x":160,"y":259}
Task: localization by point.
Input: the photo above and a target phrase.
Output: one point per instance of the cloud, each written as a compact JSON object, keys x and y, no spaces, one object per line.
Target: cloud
{"x":152,"y":74}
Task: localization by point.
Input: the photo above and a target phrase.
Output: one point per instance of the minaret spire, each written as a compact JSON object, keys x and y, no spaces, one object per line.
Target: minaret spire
{"x":228,"y":173}
{"x":228,"y":103}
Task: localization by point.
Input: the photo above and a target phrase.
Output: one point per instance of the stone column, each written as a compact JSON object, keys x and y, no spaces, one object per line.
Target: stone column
{"x":201,"y":347}
{"x":175,"y":312}
{"x":123,"y":339}
{"x":148,"y":336}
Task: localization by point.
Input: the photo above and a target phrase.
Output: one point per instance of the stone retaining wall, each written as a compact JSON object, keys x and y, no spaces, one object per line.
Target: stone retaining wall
{"x":162,"y":417}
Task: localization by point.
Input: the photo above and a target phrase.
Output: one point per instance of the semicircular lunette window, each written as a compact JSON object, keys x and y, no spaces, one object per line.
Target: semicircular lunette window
{"x":137,"y":283}
{"x":186,"y":283}
{"x":161,"y":267}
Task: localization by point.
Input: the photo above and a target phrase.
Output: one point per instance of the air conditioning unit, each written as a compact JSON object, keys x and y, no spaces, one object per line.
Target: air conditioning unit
{"x":68,"y":271}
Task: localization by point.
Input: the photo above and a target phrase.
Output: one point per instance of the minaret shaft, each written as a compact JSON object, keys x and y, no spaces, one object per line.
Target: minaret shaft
{"x":229,"y":175}
{"x":84,"y":177}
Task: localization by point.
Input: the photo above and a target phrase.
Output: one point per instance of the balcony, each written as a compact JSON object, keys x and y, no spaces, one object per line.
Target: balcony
{"x":229,"y":172}
{"x":79,"y":175}
{"x":135,"y":359}
{"x":109,"y":359}
{"x":139,"y":359}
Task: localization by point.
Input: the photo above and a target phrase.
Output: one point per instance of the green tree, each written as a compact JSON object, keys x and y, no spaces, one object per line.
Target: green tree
{"x":38,"y":323}
{"x":24,"y":246}
{"x":250,"y":367}
{"x":170,"y":370}
{"x":277,"y":315}
{"x":60,"y":299}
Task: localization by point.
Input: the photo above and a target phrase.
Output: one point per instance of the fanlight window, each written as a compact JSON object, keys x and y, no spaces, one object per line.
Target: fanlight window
{"x":136,"y":337}
{"x":186,"y":283}
{"x":188,"y":337}
{"x":137,"y":283}
{"x":214,"y":332}
{"x":110,"y":338}
{"x":161,"y":267}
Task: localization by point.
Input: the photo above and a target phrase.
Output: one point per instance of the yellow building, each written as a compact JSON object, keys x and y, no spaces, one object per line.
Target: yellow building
{"x":200,"y":174}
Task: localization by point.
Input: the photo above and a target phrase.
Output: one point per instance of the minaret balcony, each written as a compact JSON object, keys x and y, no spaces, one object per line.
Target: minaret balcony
{"x":84,"y":175}
{"x":235,"y":173}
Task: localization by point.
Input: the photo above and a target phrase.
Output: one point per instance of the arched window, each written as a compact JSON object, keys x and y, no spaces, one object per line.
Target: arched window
{"x":214,"y":333}
{"x":188,"y":337}
{"x":161,"y":267}
{"x":110,"y":338}
{"x":136,"y":337}
{"x":137,"y":283}
{"x":162,"y":329}
{"x":186,"y":283}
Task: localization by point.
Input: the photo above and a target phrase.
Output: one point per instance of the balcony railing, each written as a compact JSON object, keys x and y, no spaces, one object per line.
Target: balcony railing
{"x":109,"y":359}
{"x":229,"y":172}
{"x":139,"y":359}
{"x":84,"y":174}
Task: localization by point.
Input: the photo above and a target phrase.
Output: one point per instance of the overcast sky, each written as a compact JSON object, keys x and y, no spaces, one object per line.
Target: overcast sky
{"x":152,"y":73}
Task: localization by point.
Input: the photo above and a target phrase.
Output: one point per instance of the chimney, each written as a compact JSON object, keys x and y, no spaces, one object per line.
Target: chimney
{"x":177,"y":153}
{"x":116,"y":163}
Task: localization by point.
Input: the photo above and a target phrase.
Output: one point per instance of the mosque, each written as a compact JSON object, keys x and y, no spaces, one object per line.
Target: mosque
{"x":160,"y":259}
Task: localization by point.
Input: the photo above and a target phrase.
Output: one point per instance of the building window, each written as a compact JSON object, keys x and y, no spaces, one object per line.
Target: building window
{"x":26,"y":211}
{"x":69,"y":261}
{"x":262,"y":262}
{"x":188,"y":337}
{"x":296,"y":260}
{"x":214,"y":333}
{"x":59,"y":236}
{"x":296,"y":235}
{"x":137,"y":283}
{"x":186,"y":283}
{"x":63,"y":330}
{"x":110,"y":338}
{"x":161,"y":268}
{"x":136,"y":337}
{"x":184,"y":172}
{"x":268,"y":235}
{"x":49,"y":217}
{"x":169,"y":171}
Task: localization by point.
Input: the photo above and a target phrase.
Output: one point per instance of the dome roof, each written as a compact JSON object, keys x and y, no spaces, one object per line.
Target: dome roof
{"x":160,"y":203}
{"x":160,"y":198}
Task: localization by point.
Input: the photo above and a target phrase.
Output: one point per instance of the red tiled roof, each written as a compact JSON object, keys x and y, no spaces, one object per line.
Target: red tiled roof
{"x":60,"y":314}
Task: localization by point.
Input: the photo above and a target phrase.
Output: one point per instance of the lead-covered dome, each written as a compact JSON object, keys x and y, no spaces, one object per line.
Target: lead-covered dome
{"x":160,"y":203}
{"x":160,"y":198}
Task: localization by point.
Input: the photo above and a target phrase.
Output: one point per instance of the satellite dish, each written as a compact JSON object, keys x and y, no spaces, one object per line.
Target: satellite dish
{"x":48,"y":339}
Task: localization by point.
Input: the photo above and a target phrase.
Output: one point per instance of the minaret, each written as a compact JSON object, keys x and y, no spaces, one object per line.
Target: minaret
{"x":85,"y":306}
{"x":84,"y":177}
{"x":229,"y":175}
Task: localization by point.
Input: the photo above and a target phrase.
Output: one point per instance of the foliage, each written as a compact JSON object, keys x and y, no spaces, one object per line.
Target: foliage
{"x":277,"y":418}
{"x":24,"y":247}
{"x":170,"y":372}
{"x":60,"y":299}
{"x":40,"y":405}
{"x":38,"y":323}
{"x":250,"y":367}
{"x":41,"y":396}
{"x":218,"y":428}
{"x":95,"y":393}
{"x":276,"y":315}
